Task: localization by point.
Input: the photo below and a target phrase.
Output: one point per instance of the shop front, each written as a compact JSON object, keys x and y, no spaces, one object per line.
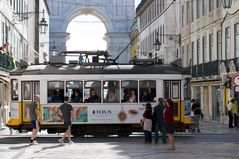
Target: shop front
{"x":208,"y":93}
{"x":230,"y":86}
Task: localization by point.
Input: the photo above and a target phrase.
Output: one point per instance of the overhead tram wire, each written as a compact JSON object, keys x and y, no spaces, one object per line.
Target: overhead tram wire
{"x":143,"y":30}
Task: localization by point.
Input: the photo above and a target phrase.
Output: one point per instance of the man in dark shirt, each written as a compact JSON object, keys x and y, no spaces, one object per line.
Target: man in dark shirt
{"x":93,"y":97}
{"x":34,"y":117}
{"x":196,"y":108}
{"x":66,"y":111}
{"x":158,"y":121}
{"x":76,"y":98}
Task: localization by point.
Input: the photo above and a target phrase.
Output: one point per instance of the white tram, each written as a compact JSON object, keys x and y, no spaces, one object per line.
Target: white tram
{"x":122,"y":91}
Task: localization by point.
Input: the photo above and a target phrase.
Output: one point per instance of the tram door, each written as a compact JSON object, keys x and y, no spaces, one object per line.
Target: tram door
{"x":29,"y":90}
{"x":172,"y":90}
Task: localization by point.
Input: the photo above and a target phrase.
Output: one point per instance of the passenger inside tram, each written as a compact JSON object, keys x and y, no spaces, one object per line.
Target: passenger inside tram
{"x":111,"y":97}
{"x":76,"y":97}
{"x":126,"y":95}
{"x":146,"y":96}
{"x":130,"y":96}
{"x":57,"y":97}
{"x":133,"y":96}
{"x":94,"y":98}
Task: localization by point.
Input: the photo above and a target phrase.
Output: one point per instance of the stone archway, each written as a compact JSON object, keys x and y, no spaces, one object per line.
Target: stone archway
{"x":117,"y":16}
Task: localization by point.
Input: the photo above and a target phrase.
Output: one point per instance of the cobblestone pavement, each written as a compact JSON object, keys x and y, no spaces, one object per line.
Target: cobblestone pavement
{"x":206,"y":127}
{"x":216,"y":140}
{"x":212,"y":127}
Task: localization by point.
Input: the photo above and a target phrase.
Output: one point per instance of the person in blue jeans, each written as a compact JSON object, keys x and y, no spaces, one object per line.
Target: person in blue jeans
{"x":158,"y":121}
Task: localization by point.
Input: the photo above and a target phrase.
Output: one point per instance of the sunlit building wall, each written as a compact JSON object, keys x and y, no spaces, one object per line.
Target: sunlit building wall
{"x":134,"y":41}
{"x":158,"y":19}
{"x":209,"y":40}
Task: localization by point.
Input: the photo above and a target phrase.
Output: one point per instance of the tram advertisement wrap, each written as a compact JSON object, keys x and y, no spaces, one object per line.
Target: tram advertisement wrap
{"x":187,"y":108}
{"x":95,"y":114}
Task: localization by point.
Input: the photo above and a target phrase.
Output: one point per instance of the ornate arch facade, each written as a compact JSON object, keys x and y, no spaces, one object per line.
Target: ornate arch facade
{"x":117,"y":16}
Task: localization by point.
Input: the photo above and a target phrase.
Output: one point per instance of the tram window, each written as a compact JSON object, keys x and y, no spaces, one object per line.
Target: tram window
{"x":27,"y":90}
{"x":55,"y":92}
{"x":74,"y":89}
{"x":175,"y":89}
{"x":147,"y":91}
{"x":129,"y":91}
{"x":111,"y":91}
{"x":166,"y":89}
{"x":14,"y":88}
{"x":92,"y":92}
{"x":187,"y":93}
{"x":36,"y":88}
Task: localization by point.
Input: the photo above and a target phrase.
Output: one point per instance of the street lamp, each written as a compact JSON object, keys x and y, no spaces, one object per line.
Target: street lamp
{"x":157,"y":43}
{"x":226,"y":3}
{"x":43,"y":24}
{"x":54,"y":49}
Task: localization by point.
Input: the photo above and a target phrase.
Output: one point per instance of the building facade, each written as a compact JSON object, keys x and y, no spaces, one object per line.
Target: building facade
{"x":19,"y":39}
{"x":209,"y":46}
{"x":158,"y":20}
{"x":38,"y":42}
{"x":134,"y":41}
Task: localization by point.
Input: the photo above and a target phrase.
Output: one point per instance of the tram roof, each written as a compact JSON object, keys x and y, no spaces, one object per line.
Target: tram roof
{"x":50,"y":69}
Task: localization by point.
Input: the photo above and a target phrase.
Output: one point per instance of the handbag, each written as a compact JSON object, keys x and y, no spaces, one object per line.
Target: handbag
{"x":142,"y":122}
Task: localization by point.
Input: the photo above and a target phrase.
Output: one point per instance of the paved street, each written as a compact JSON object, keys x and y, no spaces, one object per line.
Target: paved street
{"x":218,"y":142}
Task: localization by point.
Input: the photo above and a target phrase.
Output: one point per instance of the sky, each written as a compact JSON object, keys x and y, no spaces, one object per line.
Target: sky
{"x":83,"y":34}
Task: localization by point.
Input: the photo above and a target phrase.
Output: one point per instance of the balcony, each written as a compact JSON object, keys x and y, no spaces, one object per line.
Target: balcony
{"x":205,"y":69}
{"x":6,"y":62}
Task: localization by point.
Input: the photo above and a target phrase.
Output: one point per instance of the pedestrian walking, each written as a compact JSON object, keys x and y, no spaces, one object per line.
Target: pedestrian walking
{"x":196,"y":108}
{"x":158,"y":121}
{"x":234,"y":112}
{"x":230,"y":115}
{"x":147,"y":124}
{"x":35,"y":118}
{"x":66,"y":111}
{"x":169,"y":123}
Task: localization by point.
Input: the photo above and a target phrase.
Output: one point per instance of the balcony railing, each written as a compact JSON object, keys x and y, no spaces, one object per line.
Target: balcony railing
{"x":205,"y":69}
{"x":6,"y":62}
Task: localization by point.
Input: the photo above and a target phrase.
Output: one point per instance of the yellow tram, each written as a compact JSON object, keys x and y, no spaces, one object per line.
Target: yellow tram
{"x":114,"y":112}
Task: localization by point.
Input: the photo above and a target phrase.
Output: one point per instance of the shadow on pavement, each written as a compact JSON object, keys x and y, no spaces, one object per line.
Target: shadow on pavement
{"x":49,"y":147}
{"x":20,"y":147}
